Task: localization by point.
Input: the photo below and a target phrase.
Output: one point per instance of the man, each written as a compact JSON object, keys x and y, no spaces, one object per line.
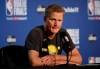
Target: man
{"x":45,"y":44}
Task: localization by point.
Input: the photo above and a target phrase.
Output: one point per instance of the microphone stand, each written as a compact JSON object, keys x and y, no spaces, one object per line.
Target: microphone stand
{"x":67,"y":55}
{"x":67,"y":52}
{"x":66,"y":46}
{"x":66,"y":49}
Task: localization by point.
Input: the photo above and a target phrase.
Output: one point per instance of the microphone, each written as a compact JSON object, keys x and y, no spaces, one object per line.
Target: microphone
{"x":65,"y":40}
{"x":66,"y":47}
{"x":64,"y":37}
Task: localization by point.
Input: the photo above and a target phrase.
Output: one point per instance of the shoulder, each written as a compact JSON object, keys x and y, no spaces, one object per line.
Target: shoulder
{"x":62,"y":30}
{"x":37,"y":29}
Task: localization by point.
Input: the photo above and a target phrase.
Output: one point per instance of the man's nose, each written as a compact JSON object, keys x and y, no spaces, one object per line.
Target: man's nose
{"x":56,"y":22}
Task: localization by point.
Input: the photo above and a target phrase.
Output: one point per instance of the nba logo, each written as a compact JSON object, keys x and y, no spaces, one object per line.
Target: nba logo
{"x":91,"y":60}
{"x":9,"y":7}
{"x":90,"y":7}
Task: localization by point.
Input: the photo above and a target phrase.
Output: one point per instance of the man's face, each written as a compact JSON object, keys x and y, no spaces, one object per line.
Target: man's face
{"x":54,"y":22}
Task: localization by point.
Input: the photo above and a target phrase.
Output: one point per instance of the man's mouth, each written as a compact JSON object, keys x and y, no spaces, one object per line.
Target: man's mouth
{"x":55,"y":27}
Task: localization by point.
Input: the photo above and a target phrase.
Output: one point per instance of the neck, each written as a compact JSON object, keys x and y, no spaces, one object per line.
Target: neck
{"x":49,"y":34}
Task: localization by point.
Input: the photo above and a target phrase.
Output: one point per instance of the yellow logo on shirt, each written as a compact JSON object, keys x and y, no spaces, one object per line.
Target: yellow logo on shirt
{"x":52,"y":49}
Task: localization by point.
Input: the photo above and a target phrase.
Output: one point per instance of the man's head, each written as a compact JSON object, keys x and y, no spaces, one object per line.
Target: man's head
{"x":53,"y":18}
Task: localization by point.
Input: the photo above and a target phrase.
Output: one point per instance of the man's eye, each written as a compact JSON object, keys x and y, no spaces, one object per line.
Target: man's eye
{"x":52,"y":19}
{"x":59,"y":20}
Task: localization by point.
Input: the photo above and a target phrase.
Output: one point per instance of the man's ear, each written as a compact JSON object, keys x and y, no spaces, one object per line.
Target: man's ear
{"x":44,"y":18}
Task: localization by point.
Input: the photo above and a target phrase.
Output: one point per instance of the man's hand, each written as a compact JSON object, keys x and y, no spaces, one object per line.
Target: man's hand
{"x":49,"y":60}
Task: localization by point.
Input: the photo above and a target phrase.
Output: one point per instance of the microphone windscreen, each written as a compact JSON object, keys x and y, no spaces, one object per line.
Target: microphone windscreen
{"x":62,"y":34}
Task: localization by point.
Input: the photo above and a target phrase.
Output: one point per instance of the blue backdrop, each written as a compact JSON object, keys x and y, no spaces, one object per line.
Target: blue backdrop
{"x":26,"y":14}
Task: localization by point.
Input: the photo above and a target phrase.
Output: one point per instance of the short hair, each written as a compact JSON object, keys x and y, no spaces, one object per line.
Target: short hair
{"x":53,"y":8}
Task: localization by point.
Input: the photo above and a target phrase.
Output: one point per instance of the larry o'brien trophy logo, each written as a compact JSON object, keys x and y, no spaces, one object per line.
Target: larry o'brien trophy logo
{"x":11,"y":39}
{"x":16,"y":9}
